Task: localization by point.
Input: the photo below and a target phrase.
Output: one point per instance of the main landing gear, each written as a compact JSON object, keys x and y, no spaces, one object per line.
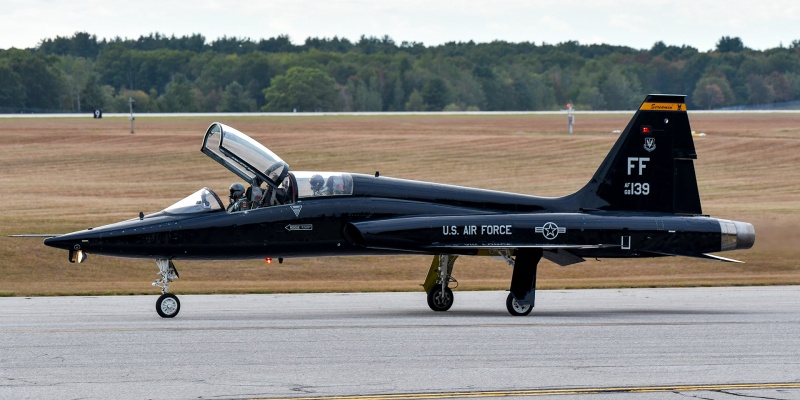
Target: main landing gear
{"x":523,"y":281}
{"x":167,"y":305}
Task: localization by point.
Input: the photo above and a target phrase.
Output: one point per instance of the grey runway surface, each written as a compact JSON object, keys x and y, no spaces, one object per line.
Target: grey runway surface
{"x":708,"y":343}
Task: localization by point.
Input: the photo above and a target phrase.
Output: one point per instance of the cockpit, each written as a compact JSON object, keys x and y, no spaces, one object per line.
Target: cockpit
{"x":268,"y":176}
{"x":296,"y":185}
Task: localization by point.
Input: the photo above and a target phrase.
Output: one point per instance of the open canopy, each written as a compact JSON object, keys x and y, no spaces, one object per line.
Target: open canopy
{"x":243,"y":156}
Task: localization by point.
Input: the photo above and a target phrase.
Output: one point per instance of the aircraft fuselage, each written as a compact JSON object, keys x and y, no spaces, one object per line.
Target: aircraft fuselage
{"x":461,"y":221}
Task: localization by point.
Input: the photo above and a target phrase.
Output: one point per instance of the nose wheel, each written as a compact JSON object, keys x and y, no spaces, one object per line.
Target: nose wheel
{"x":168,"y":305}
{"x":440,"y":300}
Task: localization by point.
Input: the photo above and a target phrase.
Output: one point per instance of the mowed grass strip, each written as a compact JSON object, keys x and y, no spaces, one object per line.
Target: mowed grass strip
{"x":65,"y":174}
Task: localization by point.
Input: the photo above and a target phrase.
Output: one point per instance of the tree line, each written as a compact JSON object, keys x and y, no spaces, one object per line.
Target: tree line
{"x":190,"y":74}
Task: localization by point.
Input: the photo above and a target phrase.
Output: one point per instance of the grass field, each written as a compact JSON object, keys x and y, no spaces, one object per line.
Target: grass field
{"x":65,"y":174}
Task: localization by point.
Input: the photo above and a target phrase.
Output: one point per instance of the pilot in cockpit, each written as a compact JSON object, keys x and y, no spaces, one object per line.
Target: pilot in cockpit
{"x":256,"y":197}
{"x":237,"y":201}
{"x":255,"y":194}
{"x":317,"y":183}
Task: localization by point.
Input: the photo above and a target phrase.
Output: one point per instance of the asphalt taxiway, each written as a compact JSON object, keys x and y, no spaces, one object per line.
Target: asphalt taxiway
{"x":710,"y":343}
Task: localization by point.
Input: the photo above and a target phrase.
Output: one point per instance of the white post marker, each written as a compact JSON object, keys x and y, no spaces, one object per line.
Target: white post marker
{"x":130,"y":103}
{"x":570,"y":118}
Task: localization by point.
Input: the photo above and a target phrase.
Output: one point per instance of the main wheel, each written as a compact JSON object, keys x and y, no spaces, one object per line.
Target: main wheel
{"x":438,"y":300}
{"x":168,"y":305}
{"x":517,"y":309}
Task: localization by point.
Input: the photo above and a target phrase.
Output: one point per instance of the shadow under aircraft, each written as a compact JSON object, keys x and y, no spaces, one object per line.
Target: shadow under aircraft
{"x":642,"y":201}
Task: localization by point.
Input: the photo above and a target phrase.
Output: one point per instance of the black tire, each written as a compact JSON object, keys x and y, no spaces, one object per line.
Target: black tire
{"x":168,"y":305}
{"x":437,"y":302}
{"x":516,"y":309}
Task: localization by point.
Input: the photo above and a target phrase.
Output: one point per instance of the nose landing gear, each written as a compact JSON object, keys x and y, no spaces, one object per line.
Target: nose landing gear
{"x":440,"y":296}
{"x":167,"y":305}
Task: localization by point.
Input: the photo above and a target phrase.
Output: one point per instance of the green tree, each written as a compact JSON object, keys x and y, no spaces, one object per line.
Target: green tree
{"x":255,"y":74}
{"x":156,"y":69}
{"x":376,"y":73}
{"x":217,"y":72}
{"x":301,"y":89}
{"x":142,"y":102}
{"x":415,"y":102}
{"x":179,"y":96}
{"x":727,"y":44}
{"x":95,"y":96}
{"x":759,"y":91}
{"x":234,"y":99}
{"x":398,"y":96}
{"x":365,"y":97}
{"x":464,"y":89}
{"x":12,"y":91}
{"x":280,"y":44}
{"x":81,"y":44}
{"x":76,"y":71}
{"x":592,"y":98}
{"x":435,"y":94}
{"x":494,"y":92}
{"x":621,"y":92}
{"x":44,"y":84}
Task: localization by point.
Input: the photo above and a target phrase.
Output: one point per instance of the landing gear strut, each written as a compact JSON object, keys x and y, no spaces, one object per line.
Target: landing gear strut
{"x":167,"y":305}
{"x":440,"y":296}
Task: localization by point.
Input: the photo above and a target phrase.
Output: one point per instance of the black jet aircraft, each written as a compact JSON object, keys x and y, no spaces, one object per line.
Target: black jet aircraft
{"x":643,"y":201}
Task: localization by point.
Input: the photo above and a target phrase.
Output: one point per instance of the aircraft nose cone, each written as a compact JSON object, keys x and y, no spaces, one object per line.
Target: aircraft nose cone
{"x":60,"y":243}
{"x":745,"y":235}
{"x":72,"y":241}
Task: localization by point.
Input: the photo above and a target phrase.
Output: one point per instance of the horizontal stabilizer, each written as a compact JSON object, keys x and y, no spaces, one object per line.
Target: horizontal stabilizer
{"x":703,"y":256}
{"x":718,"y":258}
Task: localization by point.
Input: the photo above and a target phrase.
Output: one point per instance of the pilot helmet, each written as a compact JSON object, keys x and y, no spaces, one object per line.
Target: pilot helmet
{"x":237,"y":190}
{"x":316,"y":182}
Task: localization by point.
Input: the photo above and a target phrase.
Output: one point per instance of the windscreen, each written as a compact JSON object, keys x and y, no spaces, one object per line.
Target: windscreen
{"x":203,"y":200}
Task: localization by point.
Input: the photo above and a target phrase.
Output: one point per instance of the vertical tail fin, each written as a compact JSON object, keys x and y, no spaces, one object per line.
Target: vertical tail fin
{"x":650,"y":167}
